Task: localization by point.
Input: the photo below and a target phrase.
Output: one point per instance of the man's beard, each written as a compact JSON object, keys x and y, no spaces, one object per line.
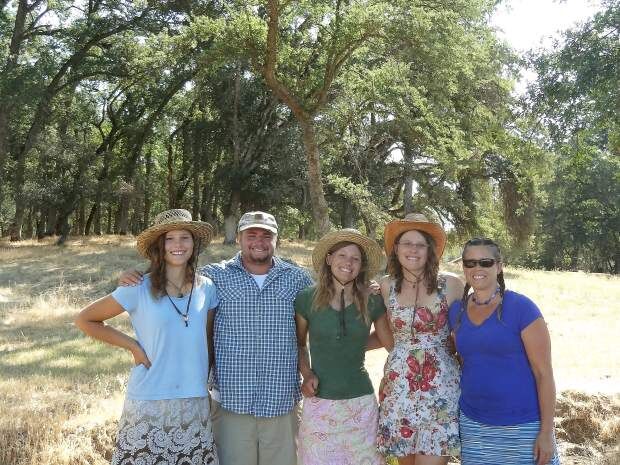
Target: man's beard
{"x":258,"y":260}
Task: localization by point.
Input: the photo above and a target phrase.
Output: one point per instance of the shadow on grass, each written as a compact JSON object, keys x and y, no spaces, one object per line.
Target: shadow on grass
{"x":55,"y":349}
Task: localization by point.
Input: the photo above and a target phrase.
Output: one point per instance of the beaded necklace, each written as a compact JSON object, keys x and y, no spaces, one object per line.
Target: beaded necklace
{"x":474,"y":300}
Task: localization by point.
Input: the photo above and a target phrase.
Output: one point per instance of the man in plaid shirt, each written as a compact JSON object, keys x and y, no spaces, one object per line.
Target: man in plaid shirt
{"x":255,"y":420}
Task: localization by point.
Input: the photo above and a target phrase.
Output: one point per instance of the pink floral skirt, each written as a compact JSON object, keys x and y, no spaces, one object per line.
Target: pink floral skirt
{"x":338,"y":432}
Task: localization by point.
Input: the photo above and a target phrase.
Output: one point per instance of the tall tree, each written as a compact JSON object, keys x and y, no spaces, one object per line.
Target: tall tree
{"x":576,"y":98}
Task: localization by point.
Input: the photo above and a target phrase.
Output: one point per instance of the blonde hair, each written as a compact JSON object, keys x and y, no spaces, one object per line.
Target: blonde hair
{"x":325,"y":291}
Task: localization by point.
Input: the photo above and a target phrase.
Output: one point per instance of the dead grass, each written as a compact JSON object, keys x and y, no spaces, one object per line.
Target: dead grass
{"x":61,"y":394}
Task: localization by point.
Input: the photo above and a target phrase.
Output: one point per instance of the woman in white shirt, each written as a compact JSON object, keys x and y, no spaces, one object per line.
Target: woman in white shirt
{"x":166,"y":417}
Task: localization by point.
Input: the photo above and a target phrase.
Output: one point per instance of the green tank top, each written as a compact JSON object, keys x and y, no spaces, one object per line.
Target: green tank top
{"x":338,"y":362}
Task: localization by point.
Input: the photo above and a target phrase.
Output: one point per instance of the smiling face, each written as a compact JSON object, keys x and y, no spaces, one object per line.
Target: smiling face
{"x":412,"y":251}
{"x":478,"y":277}
{"x":345,"y":262}
{"x":178,"y":247}
{"x":257,"y":245}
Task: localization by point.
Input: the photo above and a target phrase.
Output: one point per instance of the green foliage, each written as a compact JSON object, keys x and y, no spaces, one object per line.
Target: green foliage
{"x":110,"y":114}
{"x":577,"y":97}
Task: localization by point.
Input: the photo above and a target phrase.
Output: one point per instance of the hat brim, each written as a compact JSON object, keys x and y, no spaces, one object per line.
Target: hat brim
{"x":372,"y":250}
{"x":261,"y":226}
{"x":395,"y":228}
{"x":201,"y":231}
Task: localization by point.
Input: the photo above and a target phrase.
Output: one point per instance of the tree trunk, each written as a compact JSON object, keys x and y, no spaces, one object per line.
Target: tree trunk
{"x":196,"y":184}
{"x":320,"y":210}
{"x":28,"y":229}
{"x":91,"y":217}
{"x":347,"y":217}
{"x":232,"y":217}
{"x":206,"y":199}
{"x":123,"y":214}
{"x":108,"y":229}
{"x":81,"y":223}
{"x":16,"y":226}
{"x":41,"y":225}
{"x":147,"y":190}
{"x":172,"y":195}
{"x":408,"y":180}
{"x":4,"y":149}
{"x":6,"y":101}
{"x":371,"y":228}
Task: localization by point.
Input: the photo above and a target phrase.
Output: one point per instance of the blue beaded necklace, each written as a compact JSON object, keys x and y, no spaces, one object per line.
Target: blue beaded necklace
{"x":474,"y":300}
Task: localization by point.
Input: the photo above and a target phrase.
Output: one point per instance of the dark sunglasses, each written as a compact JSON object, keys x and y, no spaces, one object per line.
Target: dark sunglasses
{"x":483,"y":262}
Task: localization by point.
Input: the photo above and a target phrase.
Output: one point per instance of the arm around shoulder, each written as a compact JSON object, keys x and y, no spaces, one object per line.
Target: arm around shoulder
{"x":454,"y":287}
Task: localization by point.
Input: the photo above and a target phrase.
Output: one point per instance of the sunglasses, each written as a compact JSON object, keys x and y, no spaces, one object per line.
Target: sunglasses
{"x":483,"y":262}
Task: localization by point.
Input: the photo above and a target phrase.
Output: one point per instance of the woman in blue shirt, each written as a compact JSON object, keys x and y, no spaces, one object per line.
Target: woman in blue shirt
{"x":166,"y":417}
{"x":507,"y":388}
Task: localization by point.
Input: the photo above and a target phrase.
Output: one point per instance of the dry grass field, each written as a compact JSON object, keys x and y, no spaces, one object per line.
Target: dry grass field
{"x":61,"y":394}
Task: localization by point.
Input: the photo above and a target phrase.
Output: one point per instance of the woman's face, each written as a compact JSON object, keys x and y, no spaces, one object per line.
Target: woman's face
{"x":178,"y":247}
{"x":412,"y":251}
{"x":345,"y":263}
{"x":480,"y":277}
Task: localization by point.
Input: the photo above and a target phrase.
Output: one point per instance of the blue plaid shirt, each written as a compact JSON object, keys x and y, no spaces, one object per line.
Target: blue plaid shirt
{"x":255,"y":339}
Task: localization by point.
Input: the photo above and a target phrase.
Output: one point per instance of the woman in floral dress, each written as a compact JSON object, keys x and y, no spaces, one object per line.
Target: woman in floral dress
{"x":418,"y":412}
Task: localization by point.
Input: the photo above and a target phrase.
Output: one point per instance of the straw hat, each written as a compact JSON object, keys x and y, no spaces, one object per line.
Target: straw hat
{"x":416,"y":221}
{"x":373,"y":251}
{"x":169,"y":220}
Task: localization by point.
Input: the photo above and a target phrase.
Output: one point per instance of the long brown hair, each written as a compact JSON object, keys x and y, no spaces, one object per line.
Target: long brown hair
{"x":325,"y":291}
{"x":431,"y":267}
{"x":157,"y":266}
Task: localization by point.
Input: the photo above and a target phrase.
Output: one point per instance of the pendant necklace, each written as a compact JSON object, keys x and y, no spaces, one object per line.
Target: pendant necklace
{"x":180,"y":289}
{"x":474,"y":300}
{"x":185,"y":315}
{"x":415,"y":286}
{"x":342,"y":329}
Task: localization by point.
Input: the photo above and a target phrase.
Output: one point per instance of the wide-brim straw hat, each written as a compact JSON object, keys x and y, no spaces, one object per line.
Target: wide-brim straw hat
{"x":372,"y":250}
{"x":169,"y":220}
{"x":419,"y":222}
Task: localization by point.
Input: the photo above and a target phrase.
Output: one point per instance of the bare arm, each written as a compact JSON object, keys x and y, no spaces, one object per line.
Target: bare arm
{"x":91,"y":321}
{"x":384,"y":333}
{"x":537,"y":344}
{"x":454,"y":289}
{"x":375,"y":340}
{"x":210,"y":342}
{"x":310,"y":381}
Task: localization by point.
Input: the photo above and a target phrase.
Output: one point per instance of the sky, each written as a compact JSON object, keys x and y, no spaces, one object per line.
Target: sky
{"x":528,"y":24}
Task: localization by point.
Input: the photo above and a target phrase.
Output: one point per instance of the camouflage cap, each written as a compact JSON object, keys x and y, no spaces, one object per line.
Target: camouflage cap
{"x":258,"y":220}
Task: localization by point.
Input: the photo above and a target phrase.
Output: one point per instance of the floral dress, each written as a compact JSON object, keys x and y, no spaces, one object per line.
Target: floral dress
{"x":419,"y":393}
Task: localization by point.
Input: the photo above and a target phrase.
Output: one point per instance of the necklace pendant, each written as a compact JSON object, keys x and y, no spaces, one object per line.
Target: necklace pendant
{"x":185,"y":320}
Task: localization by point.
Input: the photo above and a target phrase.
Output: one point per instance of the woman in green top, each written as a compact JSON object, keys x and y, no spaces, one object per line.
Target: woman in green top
{"x":339,"y":416}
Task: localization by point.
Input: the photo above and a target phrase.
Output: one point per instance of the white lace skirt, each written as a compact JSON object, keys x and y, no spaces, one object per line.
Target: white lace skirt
{"x":171,"y":431}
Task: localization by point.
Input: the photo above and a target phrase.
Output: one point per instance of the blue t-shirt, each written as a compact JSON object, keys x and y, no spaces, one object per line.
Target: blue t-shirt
{"x":497,"y":383}
{"x":179,"y":354}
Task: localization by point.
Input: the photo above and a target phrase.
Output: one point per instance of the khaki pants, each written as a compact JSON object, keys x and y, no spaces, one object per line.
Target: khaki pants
{"x":250,"y":440}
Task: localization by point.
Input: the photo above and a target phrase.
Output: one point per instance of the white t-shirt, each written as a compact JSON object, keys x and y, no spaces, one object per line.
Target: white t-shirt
{"x":260,"y":279}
